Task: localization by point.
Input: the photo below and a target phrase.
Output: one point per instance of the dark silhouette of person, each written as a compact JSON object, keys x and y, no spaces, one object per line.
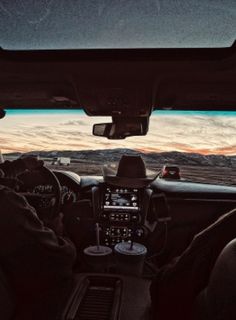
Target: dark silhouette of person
{"x":178,"y":284}
{"x":37,"y":260}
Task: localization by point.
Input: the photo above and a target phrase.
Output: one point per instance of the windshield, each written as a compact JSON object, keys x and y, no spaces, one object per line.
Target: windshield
{"x":201,"y":144}
{"x":70,"y":24}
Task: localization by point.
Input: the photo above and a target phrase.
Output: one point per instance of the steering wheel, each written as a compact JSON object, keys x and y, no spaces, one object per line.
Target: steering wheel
{"x":47,"y":205}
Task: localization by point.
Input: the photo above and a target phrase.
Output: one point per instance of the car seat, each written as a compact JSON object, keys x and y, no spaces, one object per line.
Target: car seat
{"x":7,"y":305}
{"x":218,"y":300}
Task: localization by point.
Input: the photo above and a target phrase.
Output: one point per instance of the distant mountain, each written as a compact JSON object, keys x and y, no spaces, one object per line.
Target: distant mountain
{"x":113,"y":155}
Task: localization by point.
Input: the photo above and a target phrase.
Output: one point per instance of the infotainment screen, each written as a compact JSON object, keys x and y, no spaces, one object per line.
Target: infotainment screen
{"x":121,"y":198}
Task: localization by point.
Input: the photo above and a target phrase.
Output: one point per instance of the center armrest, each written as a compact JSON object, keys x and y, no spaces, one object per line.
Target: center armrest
{"x":112,"y":296}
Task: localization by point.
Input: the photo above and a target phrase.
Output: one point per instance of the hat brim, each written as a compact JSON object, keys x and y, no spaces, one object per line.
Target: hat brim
{"x":110,"y":177}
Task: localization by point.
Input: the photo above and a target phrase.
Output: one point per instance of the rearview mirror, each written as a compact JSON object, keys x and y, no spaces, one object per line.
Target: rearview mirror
{"x":121,"y":128}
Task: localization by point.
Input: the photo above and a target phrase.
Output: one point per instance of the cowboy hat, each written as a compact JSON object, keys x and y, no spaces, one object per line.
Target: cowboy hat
{"x":131,"y":172}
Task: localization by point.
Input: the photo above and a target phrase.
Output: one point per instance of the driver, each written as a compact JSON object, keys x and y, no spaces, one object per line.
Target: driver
{"x":37,"y":260}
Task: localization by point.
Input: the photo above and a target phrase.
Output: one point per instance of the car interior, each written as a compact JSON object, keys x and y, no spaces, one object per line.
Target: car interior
{"x":162,"y":216}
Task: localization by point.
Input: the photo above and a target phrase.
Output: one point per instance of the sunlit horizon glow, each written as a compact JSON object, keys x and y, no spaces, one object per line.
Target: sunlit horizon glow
{"x":49,"y":130}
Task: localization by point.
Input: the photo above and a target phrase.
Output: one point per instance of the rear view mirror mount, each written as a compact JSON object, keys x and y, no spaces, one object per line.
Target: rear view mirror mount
{"x":121,"y":127}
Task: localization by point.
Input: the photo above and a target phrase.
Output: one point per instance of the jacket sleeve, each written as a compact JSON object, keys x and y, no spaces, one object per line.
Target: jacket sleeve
{"x":26,"y":230}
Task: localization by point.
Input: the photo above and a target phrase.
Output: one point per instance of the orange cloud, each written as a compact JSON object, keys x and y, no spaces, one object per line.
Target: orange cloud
{"x":189,"y":149}
{"x":226,"y":150}
{"x":205,"y":151}
{"x":148,"y":149}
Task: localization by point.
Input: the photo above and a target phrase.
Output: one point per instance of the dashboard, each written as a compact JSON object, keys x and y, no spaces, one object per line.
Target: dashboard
{"x":124,"y":214}
{"x":121,"y":212}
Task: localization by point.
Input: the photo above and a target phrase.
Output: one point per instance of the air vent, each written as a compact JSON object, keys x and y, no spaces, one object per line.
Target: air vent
{"x":100,"y":300}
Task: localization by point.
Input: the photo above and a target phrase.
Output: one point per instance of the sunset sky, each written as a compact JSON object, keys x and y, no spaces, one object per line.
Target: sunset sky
{"x":201,"y":132}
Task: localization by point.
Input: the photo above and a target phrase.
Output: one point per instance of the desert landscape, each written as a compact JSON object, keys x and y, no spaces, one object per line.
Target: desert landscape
{"x":216,"y":169}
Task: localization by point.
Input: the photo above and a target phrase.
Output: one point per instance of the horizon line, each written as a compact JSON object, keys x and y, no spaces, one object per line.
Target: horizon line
{"x":136,"y":150}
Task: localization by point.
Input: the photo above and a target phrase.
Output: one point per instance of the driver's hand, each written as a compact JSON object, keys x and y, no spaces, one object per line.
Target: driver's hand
{"x":32,"y":163}
{"x":57,"y":225}
{"x":12,"y":183}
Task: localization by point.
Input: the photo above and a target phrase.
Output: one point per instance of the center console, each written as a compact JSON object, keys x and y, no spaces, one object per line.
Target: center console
{"x":108,"y":296}
{"x":122,"y":212}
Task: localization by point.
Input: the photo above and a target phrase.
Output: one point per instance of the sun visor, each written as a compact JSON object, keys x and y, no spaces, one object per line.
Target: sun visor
{"x":197,"y":96}
{"x":37,"y":95}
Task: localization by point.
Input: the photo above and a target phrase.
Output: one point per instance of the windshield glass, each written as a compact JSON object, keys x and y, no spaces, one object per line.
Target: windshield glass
{"x":70,"y":24}
{"x":201,"y":144}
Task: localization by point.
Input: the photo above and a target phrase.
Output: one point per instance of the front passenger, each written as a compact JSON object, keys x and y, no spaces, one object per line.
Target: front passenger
{"x":218,"y":300}
{"x":177,"y":285}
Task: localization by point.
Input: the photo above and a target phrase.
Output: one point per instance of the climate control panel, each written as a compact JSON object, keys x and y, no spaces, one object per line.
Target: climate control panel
{"x":120,"y":216}
{"x":115,"y":234}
